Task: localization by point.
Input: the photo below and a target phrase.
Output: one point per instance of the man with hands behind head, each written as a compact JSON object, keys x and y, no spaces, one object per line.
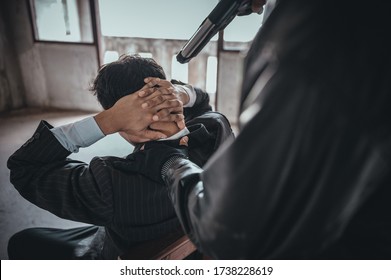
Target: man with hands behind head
{"x":124,"y":206}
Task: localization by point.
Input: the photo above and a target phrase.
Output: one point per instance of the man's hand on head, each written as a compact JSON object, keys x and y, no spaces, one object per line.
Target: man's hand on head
{"x":169,"y":103}
{"x":133,"y":119}
{"x":129,"y":117}
{"x":166,"y":88}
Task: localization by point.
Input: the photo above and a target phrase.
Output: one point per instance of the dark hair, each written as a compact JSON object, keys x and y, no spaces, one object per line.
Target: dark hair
{"x":123,"y":77}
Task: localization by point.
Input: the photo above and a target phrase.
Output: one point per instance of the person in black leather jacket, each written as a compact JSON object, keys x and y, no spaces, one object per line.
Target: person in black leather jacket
{"x":308,"y":176}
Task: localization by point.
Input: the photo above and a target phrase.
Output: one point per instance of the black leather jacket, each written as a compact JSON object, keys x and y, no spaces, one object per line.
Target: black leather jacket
{"x":308,"y":176}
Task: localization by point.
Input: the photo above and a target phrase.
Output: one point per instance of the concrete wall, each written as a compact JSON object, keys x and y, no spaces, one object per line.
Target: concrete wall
{"x":53,"y":74}
{"x":69,"y":71}
{"x":11,"y":84}
{"x":39,"y":74}
{"x":229,"y":82}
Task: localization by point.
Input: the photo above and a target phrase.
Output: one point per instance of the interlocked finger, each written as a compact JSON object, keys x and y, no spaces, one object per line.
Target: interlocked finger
{"x":172,"y":104}
{"x":157,"y":98}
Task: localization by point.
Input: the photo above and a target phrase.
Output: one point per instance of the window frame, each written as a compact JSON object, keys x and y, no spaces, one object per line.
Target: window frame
{"x":34,"y":28}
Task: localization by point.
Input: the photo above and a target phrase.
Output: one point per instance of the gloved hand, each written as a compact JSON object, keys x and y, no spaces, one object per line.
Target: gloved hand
{"x":149,"y":161}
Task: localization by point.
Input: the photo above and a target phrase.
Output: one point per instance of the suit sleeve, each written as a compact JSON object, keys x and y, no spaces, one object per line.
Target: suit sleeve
{"x":42,"y":173}
{"x":200,"y":106}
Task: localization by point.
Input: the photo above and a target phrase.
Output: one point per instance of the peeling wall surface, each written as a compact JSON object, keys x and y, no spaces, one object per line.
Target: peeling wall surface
{"x":69,"y":71}
{"x":53,"y":74}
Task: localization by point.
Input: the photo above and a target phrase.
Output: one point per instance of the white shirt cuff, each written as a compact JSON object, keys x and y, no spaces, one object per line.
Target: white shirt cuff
{"x":191,"y":93}
{"x":77,"y":135}
{"x":177,"y":135}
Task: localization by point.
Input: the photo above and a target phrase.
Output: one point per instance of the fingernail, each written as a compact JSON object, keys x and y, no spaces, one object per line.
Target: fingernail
{"x":141,"y":93}
{"x":155,"y":118}
{"x":144,"y":105}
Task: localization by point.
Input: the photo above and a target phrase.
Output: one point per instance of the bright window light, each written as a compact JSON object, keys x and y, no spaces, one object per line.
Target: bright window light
{"x":179,"y":71}
{"x":211,"y":74}
{"x":170,"y":19}
{"x":145,"y":54}
{"x":110,"y":56}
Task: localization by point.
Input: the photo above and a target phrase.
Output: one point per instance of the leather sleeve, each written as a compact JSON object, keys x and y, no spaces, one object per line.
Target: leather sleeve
{"x":315,"y":149}
{"x":283,"y":192}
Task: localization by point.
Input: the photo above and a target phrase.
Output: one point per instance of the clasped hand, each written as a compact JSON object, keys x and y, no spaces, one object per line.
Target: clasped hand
{"x":159,"y":100}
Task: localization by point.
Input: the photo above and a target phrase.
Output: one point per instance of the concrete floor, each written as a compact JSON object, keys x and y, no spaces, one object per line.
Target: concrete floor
{"x":16,"y":127}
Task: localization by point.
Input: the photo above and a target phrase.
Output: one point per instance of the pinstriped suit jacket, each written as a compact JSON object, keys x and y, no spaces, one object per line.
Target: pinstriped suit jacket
{"x":131,"y":207}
